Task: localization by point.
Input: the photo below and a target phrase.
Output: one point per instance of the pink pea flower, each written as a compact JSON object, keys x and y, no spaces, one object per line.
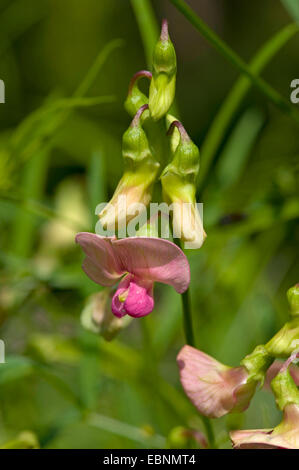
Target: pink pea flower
{"x":137,"y":262}
{"x":214,"y":388}
{"x":283,"y":436}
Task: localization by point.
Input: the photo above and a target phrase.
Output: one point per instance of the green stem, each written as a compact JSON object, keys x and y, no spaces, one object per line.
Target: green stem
{"x":191,"y":341}
{"x":236,"y":60}
{"x":189,"y":333}
{"x":186,"y":304}
{"x":209,"y":431}
{"x":188,"y":327}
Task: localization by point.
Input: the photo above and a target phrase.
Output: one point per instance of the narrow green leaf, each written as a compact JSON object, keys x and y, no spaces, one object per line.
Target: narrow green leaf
{"x":277,"y":99}
{"x":148,"y":26}
{"x":34,"y":178}
{"x":237,"y":149}
{"x":233,"y":100}
{"x":126,"y":430}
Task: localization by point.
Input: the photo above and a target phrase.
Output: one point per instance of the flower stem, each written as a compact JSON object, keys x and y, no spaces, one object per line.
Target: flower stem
{"x":188,"y":327}
{"x":190,"y":339}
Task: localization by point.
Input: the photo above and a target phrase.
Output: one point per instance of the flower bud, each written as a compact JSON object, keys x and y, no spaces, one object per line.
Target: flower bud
{"x":136,"y":98}
{"x":179,"y":188}
{"x":284,"y":389}
{"x":175,"y":134}
{"x":98,"y":317}
{"x":135,"y":186}
{"x":286,"y":341}
{"x":293,"y":298}
{"x":257,"y":363}
{"x":162,"y":88}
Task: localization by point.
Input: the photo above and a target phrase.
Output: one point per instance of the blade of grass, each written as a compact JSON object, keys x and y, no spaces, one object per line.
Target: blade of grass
{"x":40,"y":210}
{"x":233,"y":157}
{"x":233,"y":100}
{"x":125,"y":430}
{"x":275,"y":97}
{"x":148,"y":26}
{"x":97,"y":186}
{"x":38,"y":149}
{"x":39,"y":126}
{"x":33,"y":182}
{"x":92,"y":73}
{"x":149,"y":31}
{"x":36,"y":131}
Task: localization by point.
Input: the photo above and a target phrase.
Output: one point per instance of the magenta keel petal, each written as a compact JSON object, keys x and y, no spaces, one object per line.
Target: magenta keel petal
{"x":117,"y":302}
{"x":132,"y":299}
{"x":139,"y":301}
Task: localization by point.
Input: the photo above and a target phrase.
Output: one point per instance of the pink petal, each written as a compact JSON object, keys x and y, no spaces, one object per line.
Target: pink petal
{"x":140,"y":301}
{"x":252,"y":439}
{"x":215,"y":389}
{"x":283,"y":436}
{"x":100,"y":264}
{"x":154,"y":259}
{"x":118,"y":307}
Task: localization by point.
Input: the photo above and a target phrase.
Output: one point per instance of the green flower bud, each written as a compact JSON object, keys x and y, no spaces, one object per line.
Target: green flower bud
{"x":162,"y":88}
{"x":284,"y":387}
{"x":179,"y":188}
{"x":175,"y":135}
{"x":135,"y":146}
{"x":286,"y":341}
{"x":257,"y":364}
{"x":293,"y":298}
{"x":136,"y":98}
{"x":135,"y":186}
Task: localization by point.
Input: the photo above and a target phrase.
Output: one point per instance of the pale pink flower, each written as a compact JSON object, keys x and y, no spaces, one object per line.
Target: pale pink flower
{"x":283,"y":436}
{"x":138,"y":262}
{"x":214,"y":388}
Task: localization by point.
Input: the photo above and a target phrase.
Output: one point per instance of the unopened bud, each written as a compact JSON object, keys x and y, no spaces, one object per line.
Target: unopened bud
{"x":293,"y":298}
{"x":284,"y":387}
{"x":136,"y":98}
{"x":179,"y":188}
{"x":286,"y":341}
{"x":162,"y":88}
{"x":135,"y":186}
{"x":257,"y":364}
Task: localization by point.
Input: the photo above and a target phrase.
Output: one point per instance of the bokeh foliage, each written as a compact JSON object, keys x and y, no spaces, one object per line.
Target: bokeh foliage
{"x":66,"y":66}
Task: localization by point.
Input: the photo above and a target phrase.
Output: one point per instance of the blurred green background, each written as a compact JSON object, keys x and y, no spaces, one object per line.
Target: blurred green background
{"x":60,"y":155}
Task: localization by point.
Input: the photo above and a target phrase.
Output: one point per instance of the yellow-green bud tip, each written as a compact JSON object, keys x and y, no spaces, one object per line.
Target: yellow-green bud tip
{"x":293,"y":299}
